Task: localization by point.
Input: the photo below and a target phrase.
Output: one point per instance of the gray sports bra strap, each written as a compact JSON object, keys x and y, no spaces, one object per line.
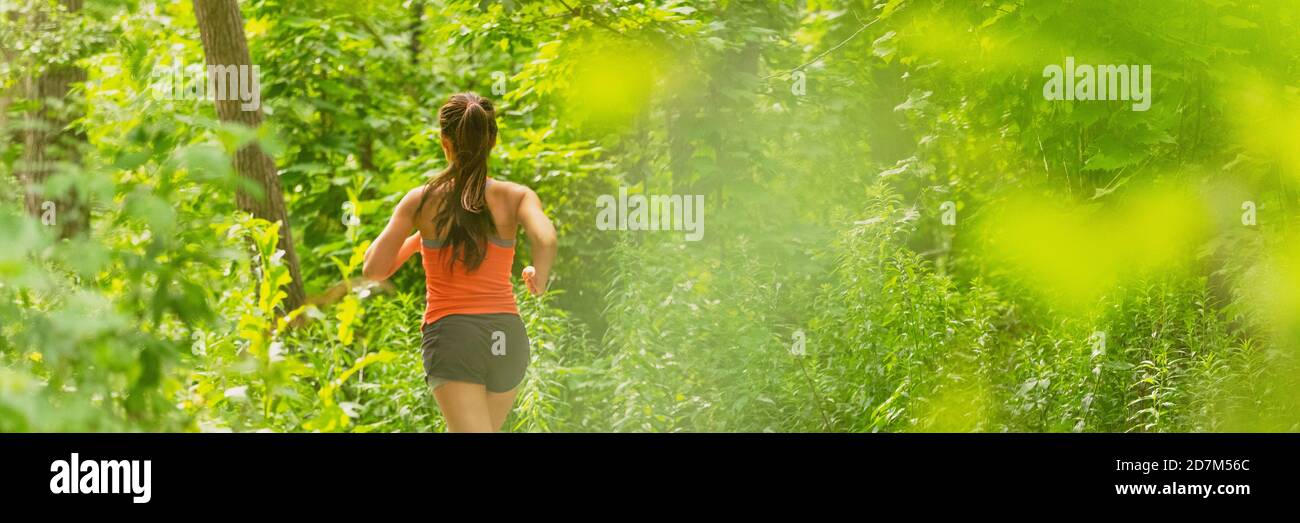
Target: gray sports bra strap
{"x":438,"y":243}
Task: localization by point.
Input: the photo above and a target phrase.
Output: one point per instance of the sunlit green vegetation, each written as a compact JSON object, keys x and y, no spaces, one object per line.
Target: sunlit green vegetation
{"x":902,"y":234}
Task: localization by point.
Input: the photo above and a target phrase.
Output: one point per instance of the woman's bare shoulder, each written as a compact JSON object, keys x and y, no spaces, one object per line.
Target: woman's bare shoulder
{"x":416,"y":201}
{"x":511,"y":191}
{"x":509,"y":186}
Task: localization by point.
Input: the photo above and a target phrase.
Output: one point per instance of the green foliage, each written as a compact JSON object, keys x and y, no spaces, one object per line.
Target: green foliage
{"x":1098,"y":276}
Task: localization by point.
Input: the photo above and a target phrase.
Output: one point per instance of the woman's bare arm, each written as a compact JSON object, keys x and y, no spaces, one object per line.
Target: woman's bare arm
{"x":393,"y":247}
{"x":541,"y":236}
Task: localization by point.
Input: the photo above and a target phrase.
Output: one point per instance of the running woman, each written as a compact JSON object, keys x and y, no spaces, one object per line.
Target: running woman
{"x":475,"y":346}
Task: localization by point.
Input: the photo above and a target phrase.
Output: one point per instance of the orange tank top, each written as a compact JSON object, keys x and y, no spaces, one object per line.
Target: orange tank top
{"x":454,"y":290}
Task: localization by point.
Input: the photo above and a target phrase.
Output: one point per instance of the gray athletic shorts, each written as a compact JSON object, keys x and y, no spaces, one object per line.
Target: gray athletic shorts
{"x":489,"y":349}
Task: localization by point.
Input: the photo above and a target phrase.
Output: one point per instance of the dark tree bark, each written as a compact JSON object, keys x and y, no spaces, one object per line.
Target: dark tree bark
{"x":221,"y":28}
{"x":45,"y":141}
{"x":417,"y":27}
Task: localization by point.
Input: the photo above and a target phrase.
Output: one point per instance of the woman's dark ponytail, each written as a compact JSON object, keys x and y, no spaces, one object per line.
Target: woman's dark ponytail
{"x":469,"y":122}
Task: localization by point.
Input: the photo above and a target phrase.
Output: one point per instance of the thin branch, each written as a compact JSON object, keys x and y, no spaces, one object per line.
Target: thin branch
{"x":819,"y":57}
{"x":591,"y":19}
{"x":817,"y":399}
{"x":540,"y":19}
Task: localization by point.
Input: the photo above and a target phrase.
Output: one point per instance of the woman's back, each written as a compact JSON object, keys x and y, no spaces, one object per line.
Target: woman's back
{"x":502,"y":198}
{"x":453,"y":288}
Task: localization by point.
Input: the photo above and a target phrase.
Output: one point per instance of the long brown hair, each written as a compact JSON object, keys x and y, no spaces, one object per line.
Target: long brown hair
{"x":469,"y":122}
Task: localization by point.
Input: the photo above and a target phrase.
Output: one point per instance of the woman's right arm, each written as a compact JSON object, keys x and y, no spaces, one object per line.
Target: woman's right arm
{"x":387,"y":253}
{"x":541,"y":237}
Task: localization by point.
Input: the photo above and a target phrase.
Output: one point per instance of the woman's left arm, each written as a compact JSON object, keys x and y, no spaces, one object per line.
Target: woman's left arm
{"x":393,"y":247}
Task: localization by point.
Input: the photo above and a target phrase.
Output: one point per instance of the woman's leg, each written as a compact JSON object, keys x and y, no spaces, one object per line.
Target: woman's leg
{"x":464,"y":406}
{"x":499,"y":405}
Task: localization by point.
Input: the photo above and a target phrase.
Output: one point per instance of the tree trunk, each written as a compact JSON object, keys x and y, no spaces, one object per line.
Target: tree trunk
{"x":45,"y":142}
{"x":417,"y":26}
{"x":221,"y":28}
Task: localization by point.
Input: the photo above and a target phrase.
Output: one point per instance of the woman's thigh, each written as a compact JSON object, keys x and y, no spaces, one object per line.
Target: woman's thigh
{"x":464,"y":406}
{"x":499,"y":405}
